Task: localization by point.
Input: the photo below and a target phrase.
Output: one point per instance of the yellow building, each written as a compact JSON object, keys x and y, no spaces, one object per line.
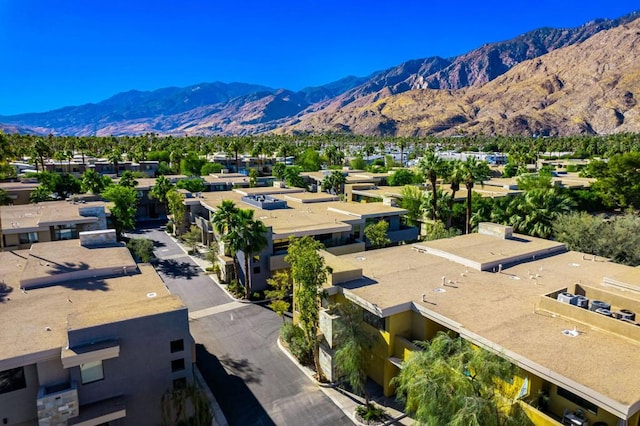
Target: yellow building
{"x":524,"y":298}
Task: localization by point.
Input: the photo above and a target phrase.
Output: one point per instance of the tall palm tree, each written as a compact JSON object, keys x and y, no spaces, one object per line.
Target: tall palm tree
{"x":473,"y":171}
{"x":455,"y":175}
{"x":223,"y":221}
{"x":40,"y":150}
{"x":432,"y":167}
{"x":115,"y":157}
{"x":252,"y":241}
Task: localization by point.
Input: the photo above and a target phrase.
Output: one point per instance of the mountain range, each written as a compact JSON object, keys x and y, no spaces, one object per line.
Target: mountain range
{"x":547,"y":82}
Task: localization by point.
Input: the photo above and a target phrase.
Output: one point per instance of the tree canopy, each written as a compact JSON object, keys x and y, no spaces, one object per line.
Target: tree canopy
{"x":309,"y":274}
{"x":123,"y":211}
{"x":451,"y":382}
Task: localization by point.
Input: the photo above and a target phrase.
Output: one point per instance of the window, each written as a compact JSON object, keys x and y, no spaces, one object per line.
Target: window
{"x":177,"y":365}
{"x":280,"y":246}
{"x":177,"y":345}
{"x":65,"y":232}
{"x":592,"y":408}
{"x":12,"y":380}
{"x":256,"y":269}
{"x":91,"y":372}
{"x":28,"y":238}
{"x":373,"y":320}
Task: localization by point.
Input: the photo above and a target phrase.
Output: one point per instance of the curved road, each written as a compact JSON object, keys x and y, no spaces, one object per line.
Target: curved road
{"x":236,"y":350}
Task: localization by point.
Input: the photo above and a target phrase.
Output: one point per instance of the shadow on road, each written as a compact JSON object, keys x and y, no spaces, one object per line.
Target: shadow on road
{"x":174,"y":269}
{"x":238,"y":403}
{"x":242,"y":368}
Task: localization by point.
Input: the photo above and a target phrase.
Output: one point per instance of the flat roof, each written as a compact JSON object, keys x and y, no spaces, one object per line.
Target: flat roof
{"x":31,"y":217}
{"x":496,"y":310}
{"x":481,"y":251}
{"x":50,"y":260}
{"x":310,"y":197}
{"x":36,"y":320}
{"x":298,"y":219}
{"x":19,"y":186}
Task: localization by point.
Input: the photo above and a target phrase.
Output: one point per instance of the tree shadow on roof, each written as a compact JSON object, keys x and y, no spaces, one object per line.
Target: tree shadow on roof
{"x":174,"y":269}
{"x":95,"y":284}
{"x":67,"y":267}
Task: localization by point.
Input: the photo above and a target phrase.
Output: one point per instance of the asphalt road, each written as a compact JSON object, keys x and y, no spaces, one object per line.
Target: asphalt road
{"x":236,"y":349}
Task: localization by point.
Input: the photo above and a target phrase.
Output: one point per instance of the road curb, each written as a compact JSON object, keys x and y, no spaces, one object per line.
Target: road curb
{"x":326,"y":388}
{"x":218,"y":416}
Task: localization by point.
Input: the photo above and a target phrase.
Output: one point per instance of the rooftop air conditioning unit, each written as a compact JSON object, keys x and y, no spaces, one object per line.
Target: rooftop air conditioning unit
{"x":580,"y":301}
{"x":605,"y":312}
{"x":565,"y":297}
{"x":625,"y":314}
{"x":599,"y":304}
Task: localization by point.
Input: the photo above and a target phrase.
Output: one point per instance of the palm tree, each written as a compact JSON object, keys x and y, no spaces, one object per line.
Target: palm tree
{"x":444,"y":201}
{"x":368,"y":150}
{"x":473,"y":171}
{"x":432,"y":167}
{"x":334,"y":182}
{"x":92,"y":182}
{"x":534,"y":212}
{"x":114,"y":157}
{"x":223,"y":220}
{"x":252,"y":241}
{"x":402,"y":144}
{"x":160,"y":189}
{"x":41,"y":149}
{"x":455,"y":175}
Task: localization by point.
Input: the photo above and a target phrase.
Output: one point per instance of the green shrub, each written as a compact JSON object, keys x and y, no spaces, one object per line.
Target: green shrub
{"x":141,"y":249}
{"x":298,"y":345}
{"x":169,"y":228}
{"x":209,"y":168}
{"x":370,"y":413}
{"x":236,"y":289}
{"x":572,"y":168}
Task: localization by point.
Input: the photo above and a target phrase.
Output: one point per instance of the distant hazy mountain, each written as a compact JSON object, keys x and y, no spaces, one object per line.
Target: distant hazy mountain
{"x":351,"y":104}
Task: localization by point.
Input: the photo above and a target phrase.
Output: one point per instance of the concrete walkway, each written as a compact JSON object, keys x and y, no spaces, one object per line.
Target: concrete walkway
{"x":344,"y":400}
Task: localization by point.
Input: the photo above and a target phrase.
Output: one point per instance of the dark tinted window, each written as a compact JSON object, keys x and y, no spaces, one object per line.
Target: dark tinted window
{"x":11,"y":380}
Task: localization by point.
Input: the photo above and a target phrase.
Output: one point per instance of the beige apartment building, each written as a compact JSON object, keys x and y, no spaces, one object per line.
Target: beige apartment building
{"x":567,"y":319}
{"x":23,"y":225}
{"x":89,"y":337}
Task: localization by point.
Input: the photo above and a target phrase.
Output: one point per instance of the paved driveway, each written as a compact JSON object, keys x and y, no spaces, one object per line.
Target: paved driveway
{"x":236,"y":350}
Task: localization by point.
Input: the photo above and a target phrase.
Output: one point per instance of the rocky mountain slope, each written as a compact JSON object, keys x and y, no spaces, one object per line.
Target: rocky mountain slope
{"x":352,"y":104}
{"x":591,"y":87}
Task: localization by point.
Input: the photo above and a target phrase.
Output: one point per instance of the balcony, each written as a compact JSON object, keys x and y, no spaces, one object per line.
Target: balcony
{"x":327,"y":326}
{"x":99,"y":351}
{"x":101,"y":412}
{"x":57,"y":404}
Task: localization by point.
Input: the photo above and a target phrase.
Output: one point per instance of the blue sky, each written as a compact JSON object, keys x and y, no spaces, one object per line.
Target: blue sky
{"x":55,"y":53}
